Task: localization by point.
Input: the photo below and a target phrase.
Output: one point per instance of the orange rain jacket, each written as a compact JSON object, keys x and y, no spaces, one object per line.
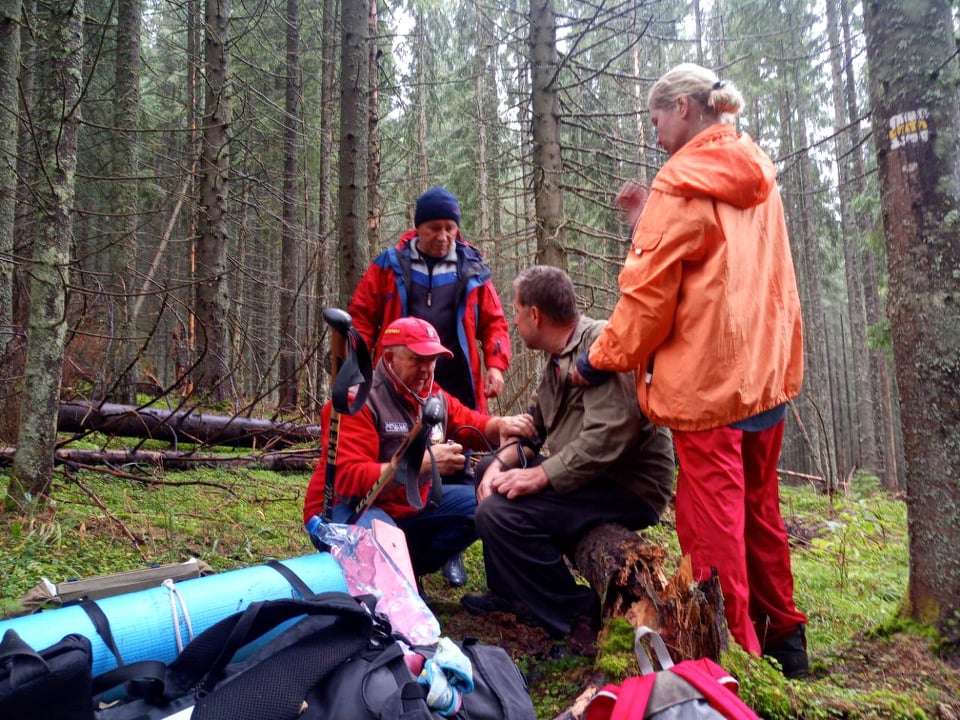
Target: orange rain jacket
{"x":709,"y":312}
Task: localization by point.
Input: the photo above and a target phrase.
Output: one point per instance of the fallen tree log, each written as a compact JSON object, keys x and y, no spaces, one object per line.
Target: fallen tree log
{"x":628,"y":574}
{"x":278,"y":460}
{"x":176,"y":426}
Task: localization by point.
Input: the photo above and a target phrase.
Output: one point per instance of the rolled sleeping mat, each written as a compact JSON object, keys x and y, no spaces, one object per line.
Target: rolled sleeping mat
{"x":148,"y":624}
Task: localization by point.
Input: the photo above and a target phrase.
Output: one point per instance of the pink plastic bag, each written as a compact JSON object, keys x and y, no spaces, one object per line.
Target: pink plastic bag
{"x":369,"y":570}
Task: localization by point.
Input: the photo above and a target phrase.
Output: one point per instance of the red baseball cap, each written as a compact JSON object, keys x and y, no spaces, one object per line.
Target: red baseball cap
{"x":418,"y":335}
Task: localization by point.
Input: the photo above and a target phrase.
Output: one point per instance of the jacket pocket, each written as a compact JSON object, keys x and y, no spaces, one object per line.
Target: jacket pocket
{"x":645,"y":240}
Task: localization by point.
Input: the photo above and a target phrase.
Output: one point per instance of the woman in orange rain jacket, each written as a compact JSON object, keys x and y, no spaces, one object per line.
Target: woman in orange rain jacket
{"x":709,"y":315}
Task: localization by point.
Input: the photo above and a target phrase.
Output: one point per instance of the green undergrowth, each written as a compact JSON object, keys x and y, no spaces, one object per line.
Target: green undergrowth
{"x":850,"y":563}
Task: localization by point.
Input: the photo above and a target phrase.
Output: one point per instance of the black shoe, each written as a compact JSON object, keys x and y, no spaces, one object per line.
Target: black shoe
{"x":455,"y":571}
{"x":488,"y":602}
{"x":791,"y":653}
{"x":582,"y":639}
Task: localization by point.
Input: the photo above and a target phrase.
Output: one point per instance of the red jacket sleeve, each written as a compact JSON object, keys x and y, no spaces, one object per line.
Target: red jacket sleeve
{"x":460,"y":418}
{"x":367,"y":305}
{"x":493,"y":330}
{"x":357,"y":467}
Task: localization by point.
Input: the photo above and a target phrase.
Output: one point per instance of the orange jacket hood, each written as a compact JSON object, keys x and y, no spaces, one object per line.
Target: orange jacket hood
{"x":717,"y":163}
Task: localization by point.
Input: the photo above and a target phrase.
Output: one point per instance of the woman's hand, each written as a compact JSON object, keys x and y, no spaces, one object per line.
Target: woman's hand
{"x":630,"y":201}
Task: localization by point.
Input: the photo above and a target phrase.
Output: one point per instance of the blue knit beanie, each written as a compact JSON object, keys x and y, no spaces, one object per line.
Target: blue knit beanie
{"x":437,"y":203}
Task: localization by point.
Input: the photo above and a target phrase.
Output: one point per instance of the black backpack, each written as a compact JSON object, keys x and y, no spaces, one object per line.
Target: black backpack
{"x":383,"y":687}
{"x":270,"y":682}
{"x":340,"y":661}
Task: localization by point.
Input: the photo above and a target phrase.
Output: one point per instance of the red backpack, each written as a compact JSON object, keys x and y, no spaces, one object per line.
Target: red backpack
{"x":691,"y":690}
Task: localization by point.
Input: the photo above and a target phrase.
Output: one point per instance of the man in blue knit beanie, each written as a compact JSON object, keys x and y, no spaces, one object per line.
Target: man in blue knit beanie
{"x":437,"y":203}
{"x":435,"y":275}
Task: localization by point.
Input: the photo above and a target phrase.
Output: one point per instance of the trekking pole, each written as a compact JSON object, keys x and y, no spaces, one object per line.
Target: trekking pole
{"x":350,"y":366}
{"x":406,"y":459}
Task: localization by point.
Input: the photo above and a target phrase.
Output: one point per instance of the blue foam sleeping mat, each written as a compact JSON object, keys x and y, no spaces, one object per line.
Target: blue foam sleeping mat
{"x":143,"y":623}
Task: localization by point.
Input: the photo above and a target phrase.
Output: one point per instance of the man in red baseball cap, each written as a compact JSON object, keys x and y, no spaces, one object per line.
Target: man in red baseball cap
{"x":402,"y":383}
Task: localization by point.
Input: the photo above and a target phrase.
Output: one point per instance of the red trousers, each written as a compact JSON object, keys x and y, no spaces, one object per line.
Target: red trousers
{"x":728,"y":518}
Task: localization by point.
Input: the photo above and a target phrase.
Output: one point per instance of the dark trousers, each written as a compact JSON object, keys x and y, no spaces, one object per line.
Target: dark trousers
{"x":525,"y":541}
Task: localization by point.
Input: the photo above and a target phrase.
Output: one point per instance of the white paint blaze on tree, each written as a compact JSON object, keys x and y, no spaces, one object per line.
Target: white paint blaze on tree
{"x":914,"y":77}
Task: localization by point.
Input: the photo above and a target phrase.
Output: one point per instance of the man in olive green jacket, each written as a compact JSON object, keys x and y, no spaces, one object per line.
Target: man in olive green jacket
{"x":605,"y":462}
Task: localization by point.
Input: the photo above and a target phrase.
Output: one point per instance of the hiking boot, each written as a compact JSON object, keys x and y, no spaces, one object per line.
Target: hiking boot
{"x":488,"y":602}
{"x":791,"y":653}
{"x":455,"y":571}
{"x":582,"y":639}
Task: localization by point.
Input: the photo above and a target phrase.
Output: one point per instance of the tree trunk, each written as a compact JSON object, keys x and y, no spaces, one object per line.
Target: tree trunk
{"x":9,"y":126}
{"x":374,"y":202}
{"x":213,"y":378}
{"x":56,"y":133}
{"x":118,"y":384}
{"x":354,"y":85}
{"x":547,"y":161}
{"x":422,"y":129}
{"x":9,"y":99}
{"x":914,"y":75}
{"x":815,"y":400}
{"x":886,"y":421}
{"x":328,"y":284}
{"x":290,"y":240}
{"x":482,"y":94}
{"x":179,"y":426}
{"x":863,"y":429}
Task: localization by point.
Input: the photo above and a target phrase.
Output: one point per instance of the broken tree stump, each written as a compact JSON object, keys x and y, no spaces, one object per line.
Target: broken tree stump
{"x":627,"y":573}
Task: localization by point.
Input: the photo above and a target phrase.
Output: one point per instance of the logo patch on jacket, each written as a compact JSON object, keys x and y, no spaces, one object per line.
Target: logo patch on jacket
{"x":396,"y":427}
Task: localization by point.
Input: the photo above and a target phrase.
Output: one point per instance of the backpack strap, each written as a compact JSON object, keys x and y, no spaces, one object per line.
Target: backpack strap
{"x":601,"y":705}
{"x":291,"y":577}
{"x":102,"y":625}
{"x":408,"y":703}
{"x":145,"y":678}
{"x":656,"y":644}
{"x":340,"y":628}
{"x":633,"y":697}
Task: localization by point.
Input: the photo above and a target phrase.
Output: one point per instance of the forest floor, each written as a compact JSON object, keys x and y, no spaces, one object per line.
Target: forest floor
{"x":850,"y":562}
{"x":889,"y":671}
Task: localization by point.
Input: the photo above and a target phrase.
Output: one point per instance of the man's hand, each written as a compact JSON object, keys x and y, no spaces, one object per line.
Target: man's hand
{"x":493,"y":382}
{"x":515,"y":482}
{"x":512,"y":427}
{"x":448,"y":456}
